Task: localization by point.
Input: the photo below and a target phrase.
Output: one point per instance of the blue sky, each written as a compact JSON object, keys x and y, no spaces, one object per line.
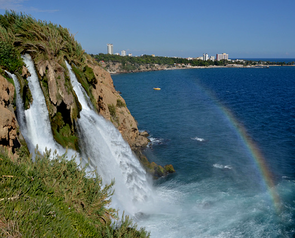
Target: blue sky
{"x":187,"y":28}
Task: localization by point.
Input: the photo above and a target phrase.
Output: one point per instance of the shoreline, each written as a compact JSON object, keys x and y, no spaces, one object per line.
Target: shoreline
{"x":199,"y":67}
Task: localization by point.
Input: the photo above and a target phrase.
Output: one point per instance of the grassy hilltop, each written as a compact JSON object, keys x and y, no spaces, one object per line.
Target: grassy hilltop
{"x":53,"y":198}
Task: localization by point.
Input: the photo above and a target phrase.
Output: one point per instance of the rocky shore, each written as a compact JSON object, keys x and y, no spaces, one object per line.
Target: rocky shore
{"x":117,"y":68}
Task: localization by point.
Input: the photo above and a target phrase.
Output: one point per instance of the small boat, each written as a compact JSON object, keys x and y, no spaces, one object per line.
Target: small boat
{"x":157,"y":88}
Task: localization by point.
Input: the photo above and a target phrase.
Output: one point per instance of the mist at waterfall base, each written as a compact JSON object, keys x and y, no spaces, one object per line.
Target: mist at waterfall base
{"x":195,"y":122}
{"x":102,"y":146}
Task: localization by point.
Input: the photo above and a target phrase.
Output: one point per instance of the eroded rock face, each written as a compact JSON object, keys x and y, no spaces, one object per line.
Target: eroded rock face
{"x":8,"y":123}
{"x":55,"y":76}
{"x":113,"y":107}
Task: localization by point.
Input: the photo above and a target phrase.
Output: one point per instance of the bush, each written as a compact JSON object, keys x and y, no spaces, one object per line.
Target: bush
{"x":120,"y":103}
{"x":55,"y":198}
{"x":9,"y":57}
{"x":112,"y":110}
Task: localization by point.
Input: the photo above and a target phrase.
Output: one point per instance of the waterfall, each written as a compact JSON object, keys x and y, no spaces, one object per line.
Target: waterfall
{"x":110,"y":155}
{"x":19,"y":106}
{"x":102,"y":146}
{"x":34,"y":122}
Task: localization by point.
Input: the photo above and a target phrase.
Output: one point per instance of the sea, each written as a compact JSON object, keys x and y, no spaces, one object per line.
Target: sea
{"x":230,"y":135}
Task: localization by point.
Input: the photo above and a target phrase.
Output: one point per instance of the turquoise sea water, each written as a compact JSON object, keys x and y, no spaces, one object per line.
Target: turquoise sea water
{"x":218,"y":189}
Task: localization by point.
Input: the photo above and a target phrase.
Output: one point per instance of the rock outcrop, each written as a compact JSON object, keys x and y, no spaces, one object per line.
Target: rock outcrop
{"x":113,"y":107}
{"x":9,"y":133}
{"x":63,"y":107}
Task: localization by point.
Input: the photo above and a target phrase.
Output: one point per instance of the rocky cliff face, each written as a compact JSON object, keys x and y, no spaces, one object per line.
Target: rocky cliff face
{"x":64,"y":107}
{"x":113,"y":107}
{"x":9,"y":133}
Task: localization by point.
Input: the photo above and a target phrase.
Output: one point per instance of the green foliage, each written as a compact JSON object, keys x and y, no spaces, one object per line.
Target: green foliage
{"x":25,"y":91}
{"x":62,"y":132}
{"x":23,"y":151}
{"x":120,"y":103}
{"x":84,"y":82}
{"x":55,"y":198}
{"x":112,"y":110}
{"x":88,"y":72}
{"x":9,"y":56}
{"x":41,"y":39}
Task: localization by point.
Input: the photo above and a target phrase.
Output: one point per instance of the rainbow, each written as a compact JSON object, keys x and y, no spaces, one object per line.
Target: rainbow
{"x":255,"y":152}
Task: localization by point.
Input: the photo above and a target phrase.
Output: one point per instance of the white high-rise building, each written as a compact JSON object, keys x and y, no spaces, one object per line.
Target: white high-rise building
{"x":110,"y":49}
{"x":205,"y":57}
{"x":123,"y":53}
{"x":222,"y":56}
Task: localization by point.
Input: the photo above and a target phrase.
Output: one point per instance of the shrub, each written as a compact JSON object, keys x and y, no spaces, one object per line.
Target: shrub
{"x":55,"y":198}
{"x":120,"y":103}
{"x":112,"y":110}
{"x":9,"y":57}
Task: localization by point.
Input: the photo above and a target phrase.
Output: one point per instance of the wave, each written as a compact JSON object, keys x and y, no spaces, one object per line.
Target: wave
{"x":220,"y":166}
{"x":198,"y":139}
{"x":156,"y":141}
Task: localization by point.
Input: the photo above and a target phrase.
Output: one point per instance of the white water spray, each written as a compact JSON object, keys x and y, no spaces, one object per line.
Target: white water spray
{"x":107,"y":151}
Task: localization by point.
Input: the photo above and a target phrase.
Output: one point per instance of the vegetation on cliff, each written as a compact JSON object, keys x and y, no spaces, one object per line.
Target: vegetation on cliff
{"x":55,"y":198}
{"x":49,"y":45}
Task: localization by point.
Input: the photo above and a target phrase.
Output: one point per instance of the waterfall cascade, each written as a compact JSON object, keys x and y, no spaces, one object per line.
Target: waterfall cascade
{"x":34,"y":122}
{"x":107,"y":151}
{"x":102,"y":147}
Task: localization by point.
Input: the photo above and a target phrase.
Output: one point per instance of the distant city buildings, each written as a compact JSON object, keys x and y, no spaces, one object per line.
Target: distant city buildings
{"x":205,"y":57}
{"x":222,"y":56}
{"x":110,"y":49}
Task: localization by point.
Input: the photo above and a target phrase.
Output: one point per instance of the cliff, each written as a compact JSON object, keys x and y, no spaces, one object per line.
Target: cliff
{"x":9,"y":133}
{"x":50,"y":46}
{"x":117,"y":67}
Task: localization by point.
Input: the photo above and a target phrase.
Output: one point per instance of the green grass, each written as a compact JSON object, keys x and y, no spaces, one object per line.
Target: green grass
{"x":55,"y":198}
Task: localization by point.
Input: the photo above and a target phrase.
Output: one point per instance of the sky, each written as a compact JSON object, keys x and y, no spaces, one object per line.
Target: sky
{"x":187,"y":28}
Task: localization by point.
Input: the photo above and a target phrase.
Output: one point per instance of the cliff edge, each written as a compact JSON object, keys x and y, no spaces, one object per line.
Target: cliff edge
{"x":51,"y":47}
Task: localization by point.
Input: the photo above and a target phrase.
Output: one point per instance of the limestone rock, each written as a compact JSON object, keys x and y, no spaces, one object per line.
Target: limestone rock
{"x":8,"y":123}
{"x":107,"y":97}
{"x":57,"y":87}
{"x":25,"y":72}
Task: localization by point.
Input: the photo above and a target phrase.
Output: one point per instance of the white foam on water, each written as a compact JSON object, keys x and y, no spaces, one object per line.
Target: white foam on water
{"x":198,"y":139}
{"x":220,"y":166}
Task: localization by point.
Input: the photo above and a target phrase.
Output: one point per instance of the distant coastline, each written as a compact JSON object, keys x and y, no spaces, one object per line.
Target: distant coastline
{"x":116,"y":68}
{"x":115,"y":64}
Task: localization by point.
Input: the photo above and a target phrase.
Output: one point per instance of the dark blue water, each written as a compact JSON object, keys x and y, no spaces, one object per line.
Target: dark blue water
{"x":218,"y":190}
